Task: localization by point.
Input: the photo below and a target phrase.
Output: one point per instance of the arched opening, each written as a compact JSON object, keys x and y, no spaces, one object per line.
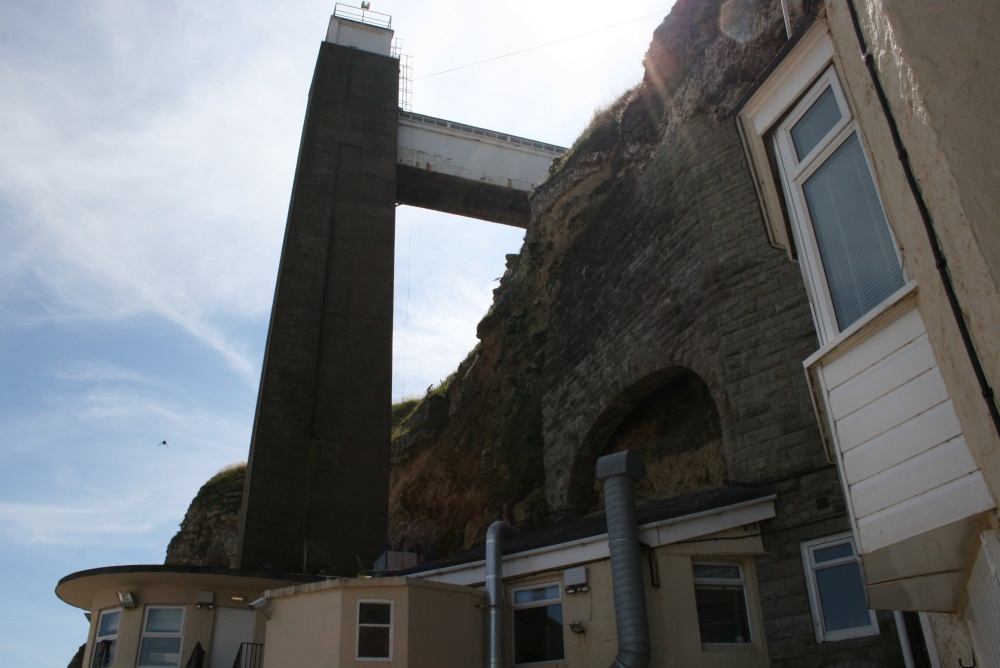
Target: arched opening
{"x":671,"y":420}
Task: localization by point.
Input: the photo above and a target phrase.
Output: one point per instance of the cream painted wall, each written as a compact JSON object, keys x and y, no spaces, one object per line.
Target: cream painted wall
{"x":306,"y":626}
{"x":198,"y":623}
{"x":673,"y":618}
{"x":445,"y":626}
{"x":952,"y":51}
{"x":434,"y":624}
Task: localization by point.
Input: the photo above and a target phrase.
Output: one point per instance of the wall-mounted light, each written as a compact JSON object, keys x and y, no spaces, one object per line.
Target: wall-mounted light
{"x":127,"y":599}
{"x":366,"y":5}
{"x":206,"y":599}
{"x":576,"y":627}
{"x":237,"y":599}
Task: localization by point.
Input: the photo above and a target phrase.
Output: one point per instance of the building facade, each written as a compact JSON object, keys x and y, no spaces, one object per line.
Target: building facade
{"x":872,"y":152}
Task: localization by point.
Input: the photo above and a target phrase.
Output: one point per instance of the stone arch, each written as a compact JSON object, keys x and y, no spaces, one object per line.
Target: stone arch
{"x":672,"y":420}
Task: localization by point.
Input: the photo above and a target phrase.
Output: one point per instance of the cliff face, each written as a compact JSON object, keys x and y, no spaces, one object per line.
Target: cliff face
{"x":605,"y":329}
{"x":613,"y":327}
{"x":209,"y":533}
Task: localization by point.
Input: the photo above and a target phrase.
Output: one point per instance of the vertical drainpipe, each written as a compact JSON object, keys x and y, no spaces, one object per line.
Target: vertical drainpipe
{"x":494,"y":587}
{"x":619,"y":472}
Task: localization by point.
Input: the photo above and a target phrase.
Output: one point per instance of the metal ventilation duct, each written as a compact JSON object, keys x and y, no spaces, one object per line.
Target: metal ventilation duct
{"x":619,"y":472}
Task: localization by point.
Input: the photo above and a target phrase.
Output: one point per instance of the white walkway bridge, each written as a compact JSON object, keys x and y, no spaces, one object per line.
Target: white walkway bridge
{"x":469,"y":171}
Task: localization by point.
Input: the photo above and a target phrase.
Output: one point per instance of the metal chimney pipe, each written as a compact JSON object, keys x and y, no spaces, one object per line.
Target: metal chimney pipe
{"x":619,"y":472}
{"x":494,"y":586}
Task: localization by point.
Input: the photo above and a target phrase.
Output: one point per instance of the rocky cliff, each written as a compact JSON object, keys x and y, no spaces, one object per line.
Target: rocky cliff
{"x":210,"y":530}
{"x":621,"y":252}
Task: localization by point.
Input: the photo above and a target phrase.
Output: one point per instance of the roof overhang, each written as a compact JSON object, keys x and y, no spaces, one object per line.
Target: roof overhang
{"x":595,"y":547}
{"x":78,"y":589}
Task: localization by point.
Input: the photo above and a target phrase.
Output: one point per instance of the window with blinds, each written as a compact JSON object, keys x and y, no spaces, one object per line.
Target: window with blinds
{"x":849,"y":257}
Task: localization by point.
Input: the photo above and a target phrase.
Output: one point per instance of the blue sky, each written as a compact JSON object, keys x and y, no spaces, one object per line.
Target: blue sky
{"x":147,"y":150}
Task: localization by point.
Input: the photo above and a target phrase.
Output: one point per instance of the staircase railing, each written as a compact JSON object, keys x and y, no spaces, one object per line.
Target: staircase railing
{"x":251,"y":655}
{"x":197,"y":658}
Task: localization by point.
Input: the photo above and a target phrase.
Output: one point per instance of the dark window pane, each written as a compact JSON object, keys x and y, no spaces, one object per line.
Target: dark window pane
{"x":836,"y":552}
{"x":538,"y":634}
{"x":373,"y":642}
{"x":160,"y":652}
{"x":375,"y":613}
{"x":727,"y":571}
{"x":539,"y":594}
{"x":104,"y":653}
{"x":842,"y":597}
{"x":815,"y":123}
{"x":722,"y":614}
{"x":853,"y":237}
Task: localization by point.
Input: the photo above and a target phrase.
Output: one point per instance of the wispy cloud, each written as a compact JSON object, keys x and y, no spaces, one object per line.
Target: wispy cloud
{"x":70,"y":525}
{"x":175,"y":210}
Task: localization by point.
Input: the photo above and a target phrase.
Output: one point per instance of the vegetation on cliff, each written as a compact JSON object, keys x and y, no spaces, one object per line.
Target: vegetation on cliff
{"x":209,"y":533}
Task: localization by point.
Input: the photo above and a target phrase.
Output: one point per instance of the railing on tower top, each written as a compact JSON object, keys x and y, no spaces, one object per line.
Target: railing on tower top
{"x":251,"y":655}
{"x":362,"y":15}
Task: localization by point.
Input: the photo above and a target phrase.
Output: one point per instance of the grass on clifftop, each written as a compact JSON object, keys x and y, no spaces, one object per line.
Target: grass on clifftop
{"x":225,"y":489}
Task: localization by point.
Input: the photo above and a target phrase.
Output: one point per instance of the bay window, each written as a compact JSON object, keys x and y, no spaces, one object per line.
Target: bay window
{"x":106,"y":638}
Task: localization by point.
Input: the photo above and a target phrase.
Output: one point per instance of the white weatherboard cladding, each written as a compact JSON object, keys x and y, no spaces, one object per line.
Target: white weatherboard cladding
{"x":902,"y":454}
{"x":984,"y":601}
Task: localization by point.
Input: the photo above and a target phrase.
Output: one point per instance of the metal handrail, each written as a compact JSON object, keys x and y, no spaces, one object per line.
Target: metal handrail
{"x":251,"y":655}
{"x":362,"y":15}
{"x":197,"y":658}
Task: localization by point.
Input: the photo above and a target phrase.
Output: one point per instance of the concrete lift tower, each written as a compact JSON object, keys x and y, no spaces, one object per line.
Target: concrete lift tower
{"x":316,"y":493}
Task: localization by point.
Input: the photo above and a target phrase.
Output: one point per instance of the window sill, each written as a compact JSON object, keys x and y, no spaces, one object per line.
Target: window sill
{"x":712,"y":648}
{"x":868,"y":323}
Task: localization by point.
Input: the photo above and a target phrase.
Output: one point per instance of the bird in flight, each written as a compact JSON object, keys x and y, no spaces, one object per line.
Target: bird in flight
{"x":163,"y":443}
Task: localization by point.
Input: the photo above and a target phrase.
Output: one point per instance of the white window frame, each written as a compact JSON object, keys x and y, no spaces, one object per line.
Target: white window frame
{"x":543,"y":603}
{"x":158,"y":634}
{"x":808,"y":548}
{"x":794,"y":172}
{"x":740,"y":582}
{"x":390,"y":626}
{"x":786,"y":91}
{"x":98,"y":638}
